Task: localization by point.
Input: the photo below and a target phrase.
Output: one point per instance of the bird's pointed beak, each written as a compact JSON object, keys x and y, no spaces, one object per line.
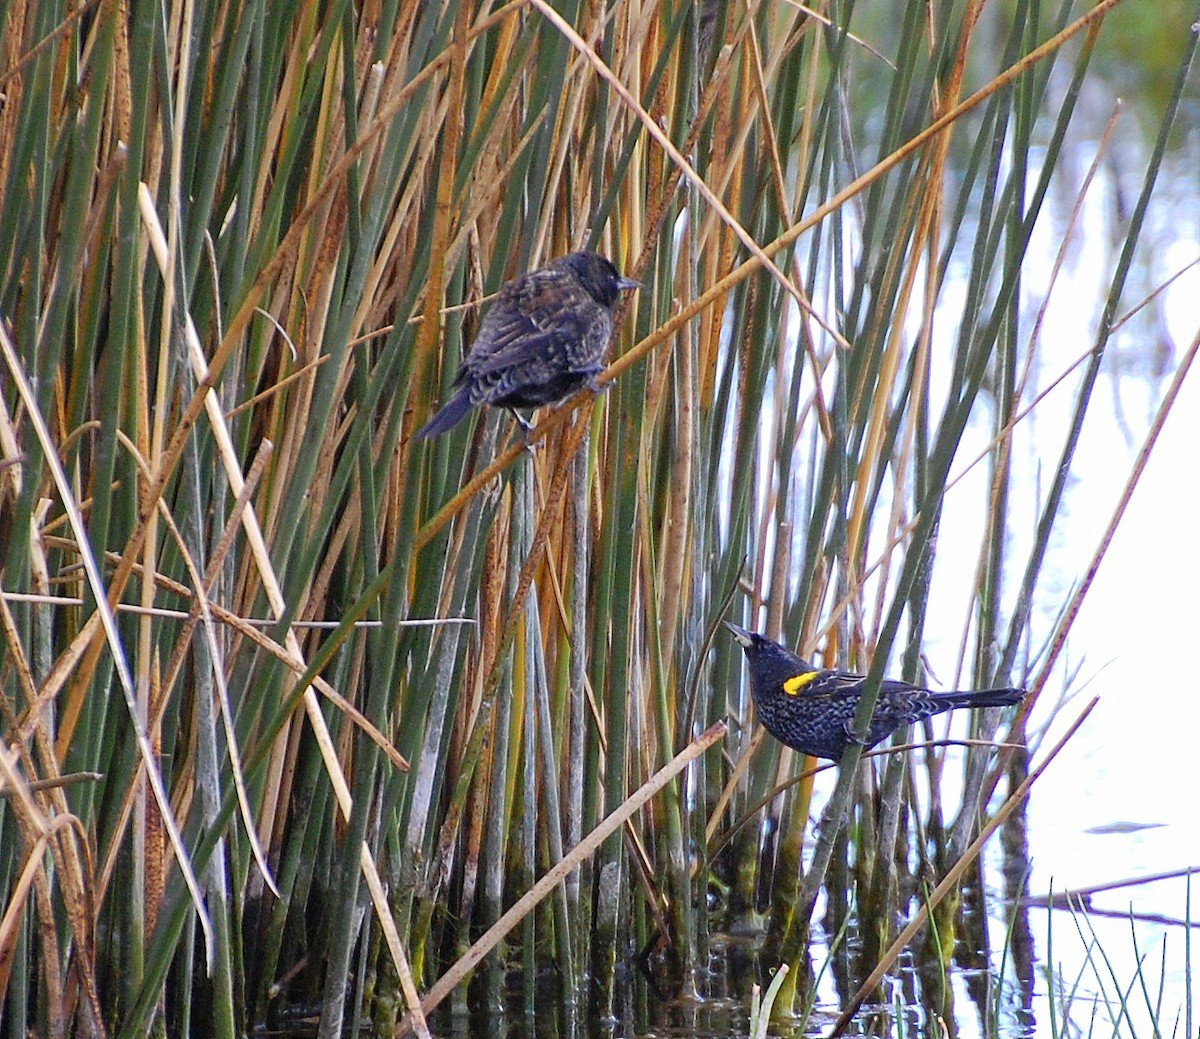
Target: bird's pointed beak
{"x":628,"y":284}
{"x":741,"y":634}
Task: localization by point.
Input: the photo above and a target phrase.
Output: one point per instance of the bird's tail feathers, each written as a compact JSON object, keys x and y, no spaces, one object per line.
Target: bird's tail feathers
{"x":450,"y":415}
{"x":982,"y":697}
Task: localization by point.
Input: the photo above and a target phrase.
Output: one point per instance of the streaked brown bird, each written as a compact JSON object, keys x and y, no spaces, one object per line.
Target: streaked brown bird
{"x":543,"y":338}
{"x":811,"y":709}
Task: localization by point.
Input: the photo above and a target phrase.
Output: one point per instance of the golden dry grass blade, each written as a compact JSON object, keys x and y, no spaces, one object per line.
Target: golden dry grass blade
{"x":107,"y":621}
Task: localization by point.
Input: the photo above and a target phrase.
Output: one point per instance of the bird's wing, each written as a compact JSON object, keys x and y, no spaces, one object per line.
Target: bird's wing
{"x":832,"y":683}
{"x":899,"y":702}
{"x":545,"y":315}
{"x":519,"y":342}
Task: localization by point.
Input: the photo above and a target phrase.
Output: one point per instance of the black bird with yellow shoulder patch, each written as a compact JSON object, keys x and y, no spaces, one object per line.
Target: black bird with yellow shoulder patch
{"x":812,"y":709}
{"x":543,"y":338}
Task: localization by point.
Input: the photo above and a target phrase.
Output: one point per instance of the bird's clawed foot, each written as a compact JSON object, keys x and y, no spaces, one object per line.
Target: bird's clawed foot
{"x":593,"y":383}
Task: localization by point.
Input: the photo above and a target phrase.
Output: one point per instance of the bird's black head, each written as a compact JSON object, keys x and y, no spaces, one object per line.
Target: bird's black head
{"x":770,"y":663}
{"x":598,"y":276}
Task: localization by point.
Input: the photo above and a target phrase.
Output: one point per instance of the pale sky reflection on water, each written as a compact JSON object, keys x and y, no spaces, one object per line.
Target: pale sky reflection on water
{"x":1121,"y":800}
{"x":1134,"y":767}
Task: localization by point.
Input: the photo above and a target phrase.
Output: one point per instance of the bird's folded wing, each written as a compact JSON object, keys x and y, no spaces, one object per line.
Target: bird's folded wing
{"x":832,"y":682}
{"x":520,"y":339}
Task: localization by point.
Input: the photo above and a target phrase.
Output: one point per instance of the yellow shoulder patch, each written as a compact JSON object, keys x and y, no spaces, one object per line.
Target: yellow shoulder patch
{"x":794,"y":685}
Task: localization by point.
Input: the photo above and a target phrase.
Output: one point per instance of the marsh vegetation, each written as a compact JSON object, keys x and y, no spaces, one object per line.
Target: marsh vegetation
{"x":303,"y":714}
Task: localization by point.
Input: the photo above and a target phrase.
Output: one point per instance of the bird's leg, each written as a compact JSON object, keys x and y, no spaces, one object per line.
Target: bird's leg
{"x":526,"y":429}
{"x":523,"y":422}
